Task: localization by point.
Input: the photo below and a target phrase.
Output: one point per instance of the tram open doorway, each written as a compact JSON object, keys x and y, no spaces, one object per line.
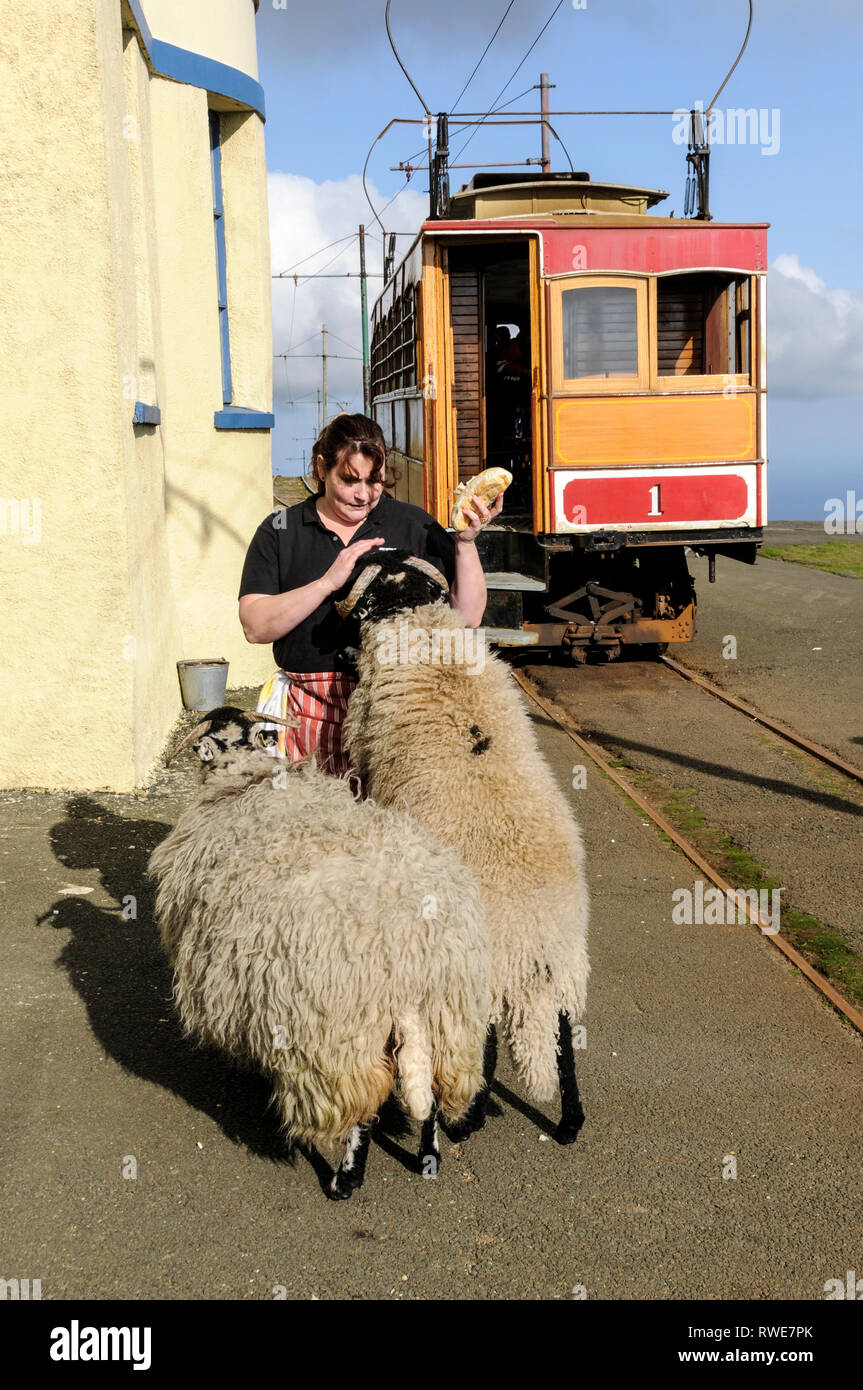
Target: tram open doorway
{"x":489,"y":292}
{"x":492,"y":375}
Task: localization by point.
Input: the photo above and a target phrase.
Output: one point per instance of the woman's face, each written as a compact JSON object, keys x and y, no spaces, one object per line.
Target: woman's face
{"x":350,"y":495}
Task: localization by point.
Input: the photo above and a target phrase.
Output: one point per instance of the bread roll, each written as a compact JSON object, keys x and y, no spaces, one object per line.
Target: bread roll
{"x":487,"y":486}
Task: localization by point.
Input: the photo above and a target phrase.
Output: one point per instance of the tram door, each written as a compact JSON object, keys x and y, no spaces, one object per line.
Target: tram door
{"x":489,"y":304}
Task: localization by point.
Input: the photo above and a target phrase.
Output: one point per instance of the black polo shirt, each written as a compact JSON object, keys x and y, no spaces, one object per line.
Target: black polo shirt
{"x":292,"y":547}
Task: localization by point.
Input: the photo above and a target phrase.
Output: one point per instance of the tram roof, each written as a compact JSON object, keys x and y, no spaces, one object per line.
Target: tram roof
{"x":507,"y":195}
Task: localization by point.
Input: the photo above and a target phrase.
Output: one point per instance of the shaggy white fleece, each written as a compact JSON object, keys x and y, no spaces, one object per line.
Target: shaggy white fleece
{"x":328,"y":941}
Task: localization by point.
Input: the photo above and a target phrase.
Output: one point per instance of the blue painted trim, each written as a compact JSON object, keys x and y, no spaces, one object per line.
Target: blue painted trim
{"x":141,"y":21}
{"x":242,"y":417}
{"x":146,"y":414}
{"x":221,"y":257}
{"x":181,"y":65}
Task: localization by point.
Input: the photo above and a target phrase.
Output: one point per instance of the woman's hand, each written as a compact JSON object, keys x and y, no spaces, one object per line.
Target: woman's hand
{"x":341,"y":570}
{"x":479,"y":514}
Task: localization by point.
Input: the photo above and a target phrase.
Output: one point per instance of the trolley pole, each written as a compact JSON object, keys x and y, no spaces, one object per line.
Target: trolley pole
{"x":543,"y":106}
{"x":364,"y":309}
{"x":324,"y":376}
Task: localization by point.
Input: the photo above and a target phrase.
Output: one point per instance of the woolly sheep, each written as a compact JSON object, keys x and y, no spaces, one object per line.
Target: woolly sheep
{"x":438,"y":732}
{"x":324,"y":940}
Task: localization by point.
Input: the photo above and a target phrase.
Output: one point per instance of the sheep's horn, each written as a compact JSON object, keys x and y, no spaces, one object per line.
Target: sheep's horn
{"x":428,"y":570}
{"x":198,"y":732}
{"x":256,"y":716}
{"x":346,"y":606}
{"x":253,"y":717}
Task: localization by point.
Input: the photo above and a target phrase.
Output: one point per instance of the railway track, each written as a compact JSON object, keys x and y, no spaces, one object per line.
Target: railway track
{"x":824,"y":755}
{"x":597,"y":755}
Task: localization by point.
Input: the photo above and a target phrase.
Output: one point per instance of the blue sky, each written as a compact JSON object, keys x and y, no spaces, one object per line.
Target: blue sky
{"x":332,"y":84}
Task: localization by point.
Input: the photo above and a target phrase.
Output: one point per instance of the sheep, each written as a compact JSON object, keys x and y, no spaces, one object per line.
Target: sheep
{"x":441,"y":734}
{"x":324,"y":940}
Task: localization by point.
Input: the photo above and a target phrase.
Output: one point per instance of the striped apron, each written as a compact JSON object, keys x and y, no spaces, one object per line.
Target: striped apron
{"x":319,"y":699}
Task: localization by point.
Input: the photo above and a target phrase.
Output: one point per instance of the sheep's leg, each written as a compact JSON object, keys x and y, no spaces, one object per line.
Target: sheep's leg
{"x":475,"y":1117}
{"x":571,"y":1111}
{"x":352,"y":1168}
{"x":429,"y":1154}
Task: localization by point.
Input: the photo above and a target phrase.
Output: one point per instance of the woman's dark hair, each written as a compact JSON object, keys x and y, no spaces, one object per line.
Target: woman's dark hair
{"x":346,"y":435}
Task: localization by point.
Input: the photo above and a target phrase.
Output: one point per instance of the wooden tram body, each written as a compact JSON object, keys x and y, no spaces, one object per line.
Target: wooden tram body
{"x":633,"y":420}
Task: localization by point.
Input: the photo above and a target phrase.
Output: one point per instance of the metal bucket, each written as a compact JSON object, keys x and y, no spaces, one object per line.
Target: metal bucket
{"x":203,"y":683}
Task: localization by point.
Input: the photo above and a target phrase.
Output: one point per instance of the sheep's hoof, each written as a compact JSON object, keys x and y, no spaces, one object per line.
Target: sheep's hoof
{"x":463,"y":1129}
{"x":569,"y":1132}
{"x":341,"y":1188}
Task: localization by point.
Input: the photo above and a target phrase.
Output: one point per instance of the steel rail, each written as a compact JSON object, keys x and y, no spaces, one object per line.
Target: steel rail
{"x":806,"y":744}
{"x":562,"y":719}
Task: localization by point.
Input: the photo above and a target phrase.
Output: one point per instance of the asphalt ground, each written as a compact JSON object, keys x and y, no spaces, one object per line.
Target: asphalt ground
{"x":704,"y":1050}
{"x":800,"y":819}
{"x":798,"y":640}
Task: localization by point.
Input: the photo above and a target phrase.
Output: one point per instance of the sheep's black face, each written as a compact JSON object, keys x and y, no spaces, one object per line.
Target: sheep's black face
{"x":398,"y":586}
{"x":229,"y":730}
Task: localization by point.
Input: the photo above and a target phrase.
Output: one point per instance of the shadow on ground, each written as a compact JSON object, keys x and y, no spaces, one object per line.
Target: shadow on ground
{"x":117,"y":967}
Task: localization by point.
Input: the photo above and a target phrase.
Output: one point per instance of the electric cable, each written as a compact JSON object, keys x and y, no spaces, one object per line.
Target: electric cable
{"x":484,"y":52}
{"x":736,"y":60}
{"x":493,"y":108}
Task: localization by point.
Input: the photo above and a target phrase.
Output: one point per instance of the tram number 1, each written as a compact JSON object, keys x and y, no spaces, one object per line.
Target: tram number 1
{"x":655,"y":506}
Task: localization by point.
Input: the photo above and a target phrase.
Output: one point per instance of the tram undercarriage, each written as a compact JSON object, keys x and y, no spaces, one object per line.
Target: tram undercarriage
{"x":595,"y":599}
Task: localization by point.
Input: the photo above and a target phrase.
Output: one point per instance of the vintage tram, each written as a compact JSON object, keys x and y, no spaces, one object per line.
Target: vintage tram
{"x":614,"y":360}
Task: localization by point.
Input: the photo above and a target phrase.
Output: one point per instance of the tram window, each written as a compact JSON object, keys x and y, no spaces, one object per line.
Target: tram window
{"x":703,"y":325}
{"x":394,"y":347}
{"x":600,"y":331}
{"x":409,"y":356}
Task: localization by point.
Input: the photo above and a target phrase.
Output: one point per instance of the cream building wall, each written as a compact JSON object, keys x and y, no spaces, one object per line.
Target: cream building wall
{"x":121,"y":544}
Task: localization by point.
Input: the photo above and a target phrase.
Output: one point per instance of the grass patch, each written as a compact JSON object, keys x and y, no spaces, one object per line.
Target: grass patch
{"x":288,"y":491}
{"x":833,"y":557}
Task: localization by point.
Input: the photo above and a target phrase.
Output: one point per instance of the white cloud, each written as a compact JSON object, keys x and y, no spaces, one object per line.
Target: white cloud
{"x":305,"y":217}
{"x":814,"y":334}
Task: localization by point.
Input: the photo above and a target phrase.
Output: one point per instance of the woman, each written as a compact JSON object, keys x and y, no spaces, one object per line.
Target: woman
{"x":301,"y":556}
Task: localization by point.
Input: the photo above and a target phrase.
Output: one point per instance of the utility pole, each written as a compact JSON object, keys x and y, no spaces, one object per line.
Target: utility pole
{"x":543,"y":106}
{"x":324,"y":375}
{"x":364,"y":309}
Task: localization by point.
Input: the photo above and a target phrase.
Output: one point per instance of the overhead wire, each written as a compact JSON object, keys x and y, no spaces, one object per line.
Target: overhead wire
{"x":353,"y":347}
{"x":311,"y":274}
{"x":320,"y":251}
{"x":484,"y":52}
{"x":457,"y":115}
{"x":737,"y":59}
{"x":420,"y":98}
{"x":493,"y":107}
